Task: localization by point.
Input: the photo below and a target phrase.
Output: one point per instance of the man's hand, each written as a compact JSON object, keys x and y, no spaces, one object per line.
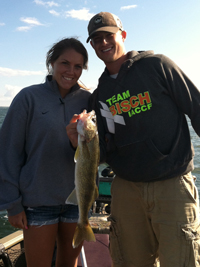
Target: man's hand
{"x":19,"y":220}
{"x":72,"y":131}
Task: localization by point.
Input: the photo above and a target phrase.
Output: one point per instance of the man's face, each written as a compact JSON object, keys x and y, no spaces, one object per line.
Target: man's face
{"x":109,"y":47}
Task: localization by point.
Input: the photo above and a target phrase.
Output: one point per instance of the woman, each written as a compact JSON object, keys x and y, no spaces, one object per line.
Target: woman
{"x":37,"y":161}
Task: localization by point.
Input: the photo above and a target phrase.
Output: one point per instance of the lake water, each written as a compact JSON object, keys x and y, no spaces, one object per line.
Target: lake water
{"x":6,"y":228}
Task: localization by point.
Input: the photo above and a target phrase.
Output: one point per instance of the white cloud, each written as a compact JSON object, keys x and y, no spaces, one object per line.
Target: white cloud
{"x":54,"y":13}
{"x":82,"y":14}
{"x":11,"y":90}
{"x":4,"y":102}
{"x":24,"y":28}
{"x":2,"y":24}
{"x":47,"y":4}
{"x":31,"y":21}
{"x":128,"y":7}
{"x":7,"y":97}
{"x":11,"y":72}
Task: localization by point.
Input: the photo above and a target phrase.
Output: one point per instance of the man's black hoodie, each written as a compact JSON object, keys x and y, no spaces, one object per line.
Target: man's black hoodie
{"x":142,"y":126}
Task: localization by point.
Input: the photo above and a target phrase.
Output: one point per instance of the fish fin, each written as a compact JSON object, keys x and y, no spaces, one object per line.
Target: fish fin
{"x":96,"y":192}
{"x":76,"y":154}
{"x":83,"y":233}
{"x":72,"y":199}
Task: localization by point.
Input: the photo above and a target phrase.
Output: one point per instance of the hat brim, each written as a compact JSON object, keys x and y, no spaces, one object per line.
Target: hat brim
{"x":112,"y":29}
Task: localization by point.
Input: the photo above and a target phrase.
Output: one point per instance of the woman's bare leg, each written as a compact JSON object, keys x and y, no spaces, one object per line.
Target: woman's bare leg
{"x":39,"y":243}
{"x":67,"y":256}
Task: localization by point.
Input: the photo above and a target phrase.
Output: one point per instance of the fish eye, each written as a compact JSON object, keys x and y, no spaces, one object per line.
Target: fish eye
{"x":94,"y":120}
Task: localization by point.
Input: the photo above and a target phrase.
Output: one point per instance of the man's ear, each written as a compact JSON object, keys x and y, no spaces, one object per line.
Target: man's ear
{"x":91,"y":43}
{"x":124,"y":35}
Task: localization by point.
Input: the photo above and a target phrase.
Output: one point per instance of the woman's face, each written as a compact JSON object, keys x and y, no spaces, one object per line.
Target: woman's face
{"x":67,"y":69}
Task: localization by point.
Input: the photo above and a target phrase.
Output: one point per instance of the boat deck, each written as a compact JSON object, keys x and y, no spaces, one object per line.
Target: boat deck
{"x":97,"y":253}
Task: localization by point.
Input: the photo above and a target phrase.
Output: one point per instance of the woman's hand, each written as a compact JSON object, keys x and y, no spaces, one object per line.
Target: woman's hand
{"x":72,"y":131}
{"x":19,"y":220}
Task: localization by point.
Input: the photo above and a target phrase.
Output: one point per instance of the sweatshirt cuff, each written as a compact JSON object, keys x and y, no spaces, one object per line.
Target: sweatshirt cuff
{"x":15,"y":210}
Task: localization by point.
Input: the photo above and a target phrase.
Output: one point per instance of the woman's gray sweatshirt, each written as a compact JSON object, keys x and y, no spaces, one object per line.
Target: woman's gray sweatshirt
{"x":36,"y":160}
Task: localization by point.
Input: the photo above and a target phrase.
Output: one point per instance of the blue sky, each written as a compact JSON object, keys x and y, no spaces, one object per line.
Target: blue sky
{"x":28,"y":28}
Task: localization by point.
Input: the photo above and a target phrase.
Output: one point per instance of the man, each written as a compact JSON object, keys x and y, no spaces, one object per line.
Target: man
{"x":140,"y":104}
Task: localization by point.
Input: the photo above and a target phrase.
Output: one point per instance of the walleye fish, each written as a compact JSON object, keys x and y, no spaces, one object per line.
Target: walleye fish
{"x":87,"y":161}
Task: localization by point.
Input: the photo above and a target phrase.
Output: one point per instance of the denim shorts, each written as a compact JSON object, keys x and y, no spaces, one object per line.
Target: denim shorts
{"x":46,"y":215}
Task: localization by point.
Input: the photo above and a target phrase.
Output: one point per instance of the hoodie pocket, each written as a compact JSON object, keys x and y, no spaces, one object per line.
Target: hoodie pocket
{"x":154,"y":150}
{"x":140,"y":161}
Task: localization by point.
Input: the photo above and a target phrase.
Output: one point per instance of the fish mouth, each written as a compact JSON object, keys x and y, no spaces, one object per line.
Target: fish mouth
{"x":86,"y":126}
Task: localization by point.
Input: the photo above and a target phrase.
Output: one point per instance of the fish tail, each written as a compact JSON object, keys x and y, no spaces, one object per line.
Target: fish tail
{"x":83,"y":233}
